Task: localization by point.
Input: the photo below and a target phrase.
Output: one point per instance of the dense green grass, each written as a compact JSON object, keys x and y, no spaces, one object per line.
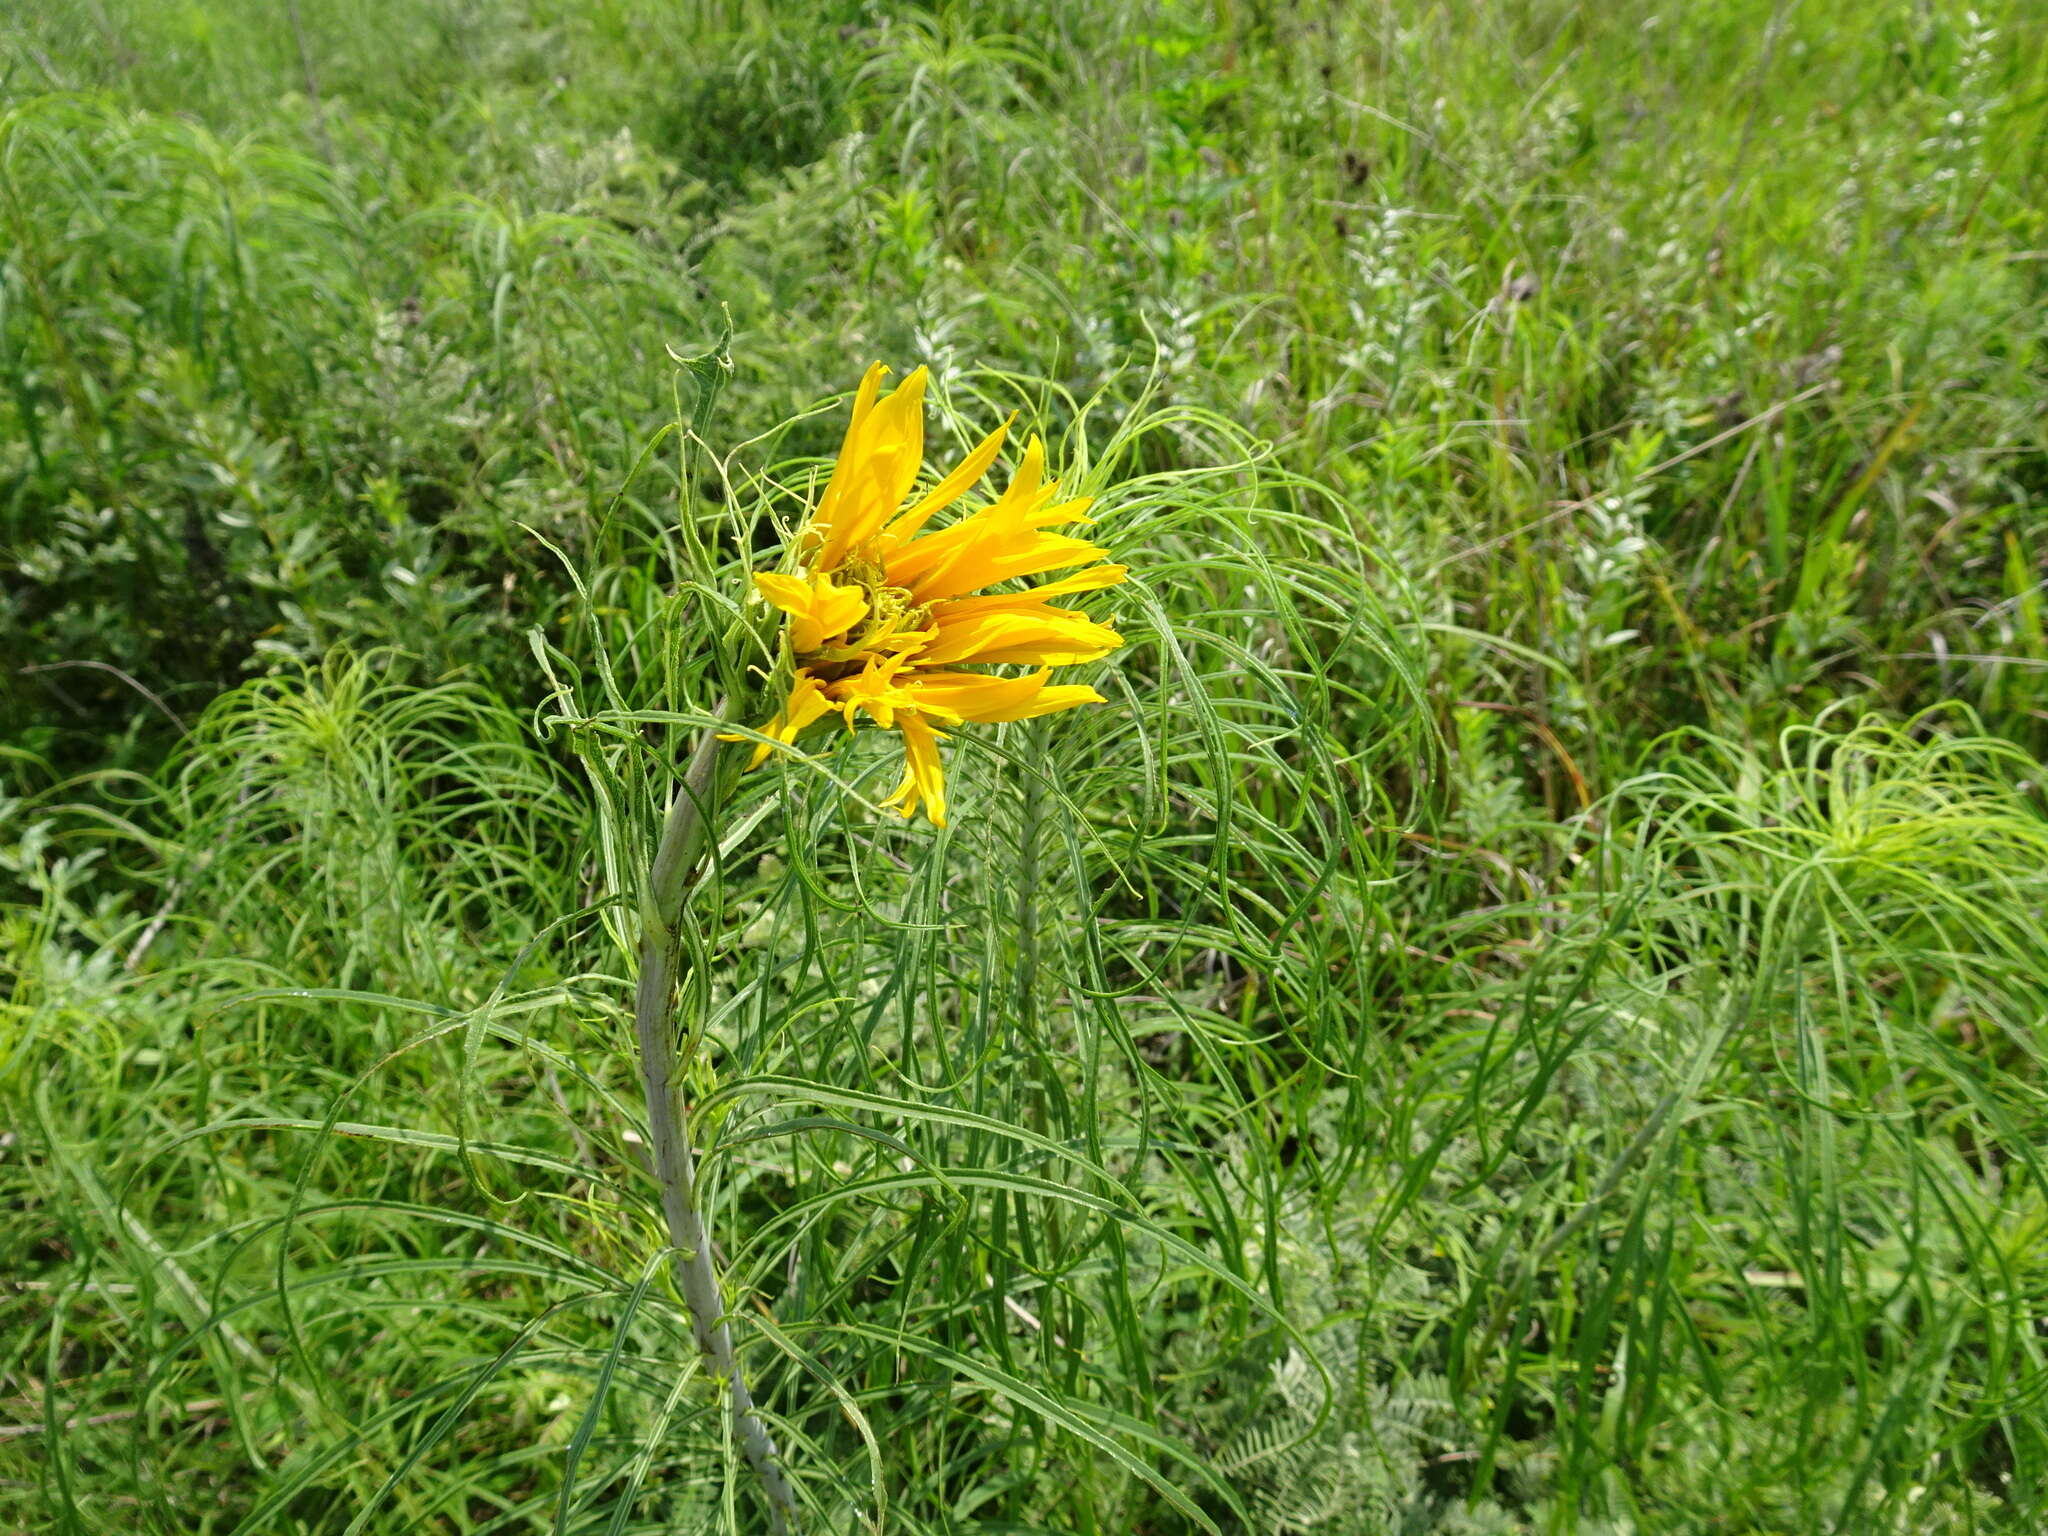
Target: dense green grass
{"x":1524,"y":1012}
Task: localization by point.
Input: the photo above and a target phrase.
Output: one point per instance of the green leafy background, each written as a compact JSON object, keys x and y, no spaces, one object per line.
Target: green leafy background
{"x":1523,"y":1013}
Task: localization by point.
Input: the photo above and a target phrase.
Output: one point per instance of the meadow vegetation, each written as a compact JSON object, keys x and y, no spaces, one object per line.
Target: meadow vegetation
{"x":1523,"y":1013}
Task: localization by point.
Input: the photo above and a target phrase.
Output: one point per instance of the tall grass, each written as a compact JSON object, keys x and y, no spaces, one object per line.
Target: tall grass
{"x":1521,"y":1013}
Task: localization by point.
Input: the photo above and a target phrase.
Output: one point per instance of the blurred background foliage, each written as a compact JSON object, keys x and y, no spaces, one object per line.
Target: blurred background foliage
{"x":1524,"y":1012}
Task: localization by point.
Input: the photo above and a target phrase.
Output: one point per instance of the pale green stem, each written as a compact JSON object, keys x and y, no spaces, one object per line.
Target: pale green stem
{"x":684,"y":837}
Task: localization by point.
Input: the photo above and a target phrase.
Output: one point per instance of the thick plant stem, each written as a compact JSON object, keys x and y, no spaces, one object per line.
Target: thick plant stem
{"x":684,"y":838}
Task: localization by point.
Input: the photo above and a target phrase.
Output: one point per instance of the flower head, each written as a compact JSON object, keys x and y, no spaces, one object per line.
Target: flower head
{"x":889,"y":620}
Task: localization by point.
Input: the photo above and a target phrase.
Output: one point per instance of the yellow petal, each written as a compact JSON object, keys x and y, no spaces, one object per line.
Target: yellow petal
{"x":876,"y":470}
{"x":1094,"y":579}
{"x":806,"y":704}
{"x":1047,"y":636}
{"x":924,"y":778}
{"x":818,"y":608}
{"x":986,"y":699}
{"x":1052,"y":699}
{"x":839,"y":607}
{"x":877,"y":690}
{"x":864,"y":397}
{"x":792,"y":594}
{"x":997,"y":543}
{"x":850,"y":445}
{"x":909,"y":561}
{"x":993,"y":561}
{"x":948,"y":490}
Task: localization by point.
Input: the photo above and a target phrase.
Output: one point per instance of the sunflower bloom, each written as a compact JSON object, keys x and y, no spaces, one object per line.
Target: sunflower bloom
{"x":888,"y":618}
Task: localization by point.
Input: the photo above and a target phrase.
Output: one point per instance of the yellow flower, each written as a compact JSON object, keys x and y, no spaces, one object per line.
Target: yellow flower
{"x":881,"y":616}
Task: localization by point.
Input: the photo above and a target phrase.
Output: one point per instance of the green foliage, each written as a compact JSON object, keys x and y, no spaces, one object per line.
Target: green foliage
{"x":1522,"y":1013}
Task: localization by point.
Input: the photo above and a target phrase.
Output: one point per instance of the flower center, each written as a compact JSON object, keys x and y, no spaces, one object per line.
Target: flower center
{"x":892,"y":612}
